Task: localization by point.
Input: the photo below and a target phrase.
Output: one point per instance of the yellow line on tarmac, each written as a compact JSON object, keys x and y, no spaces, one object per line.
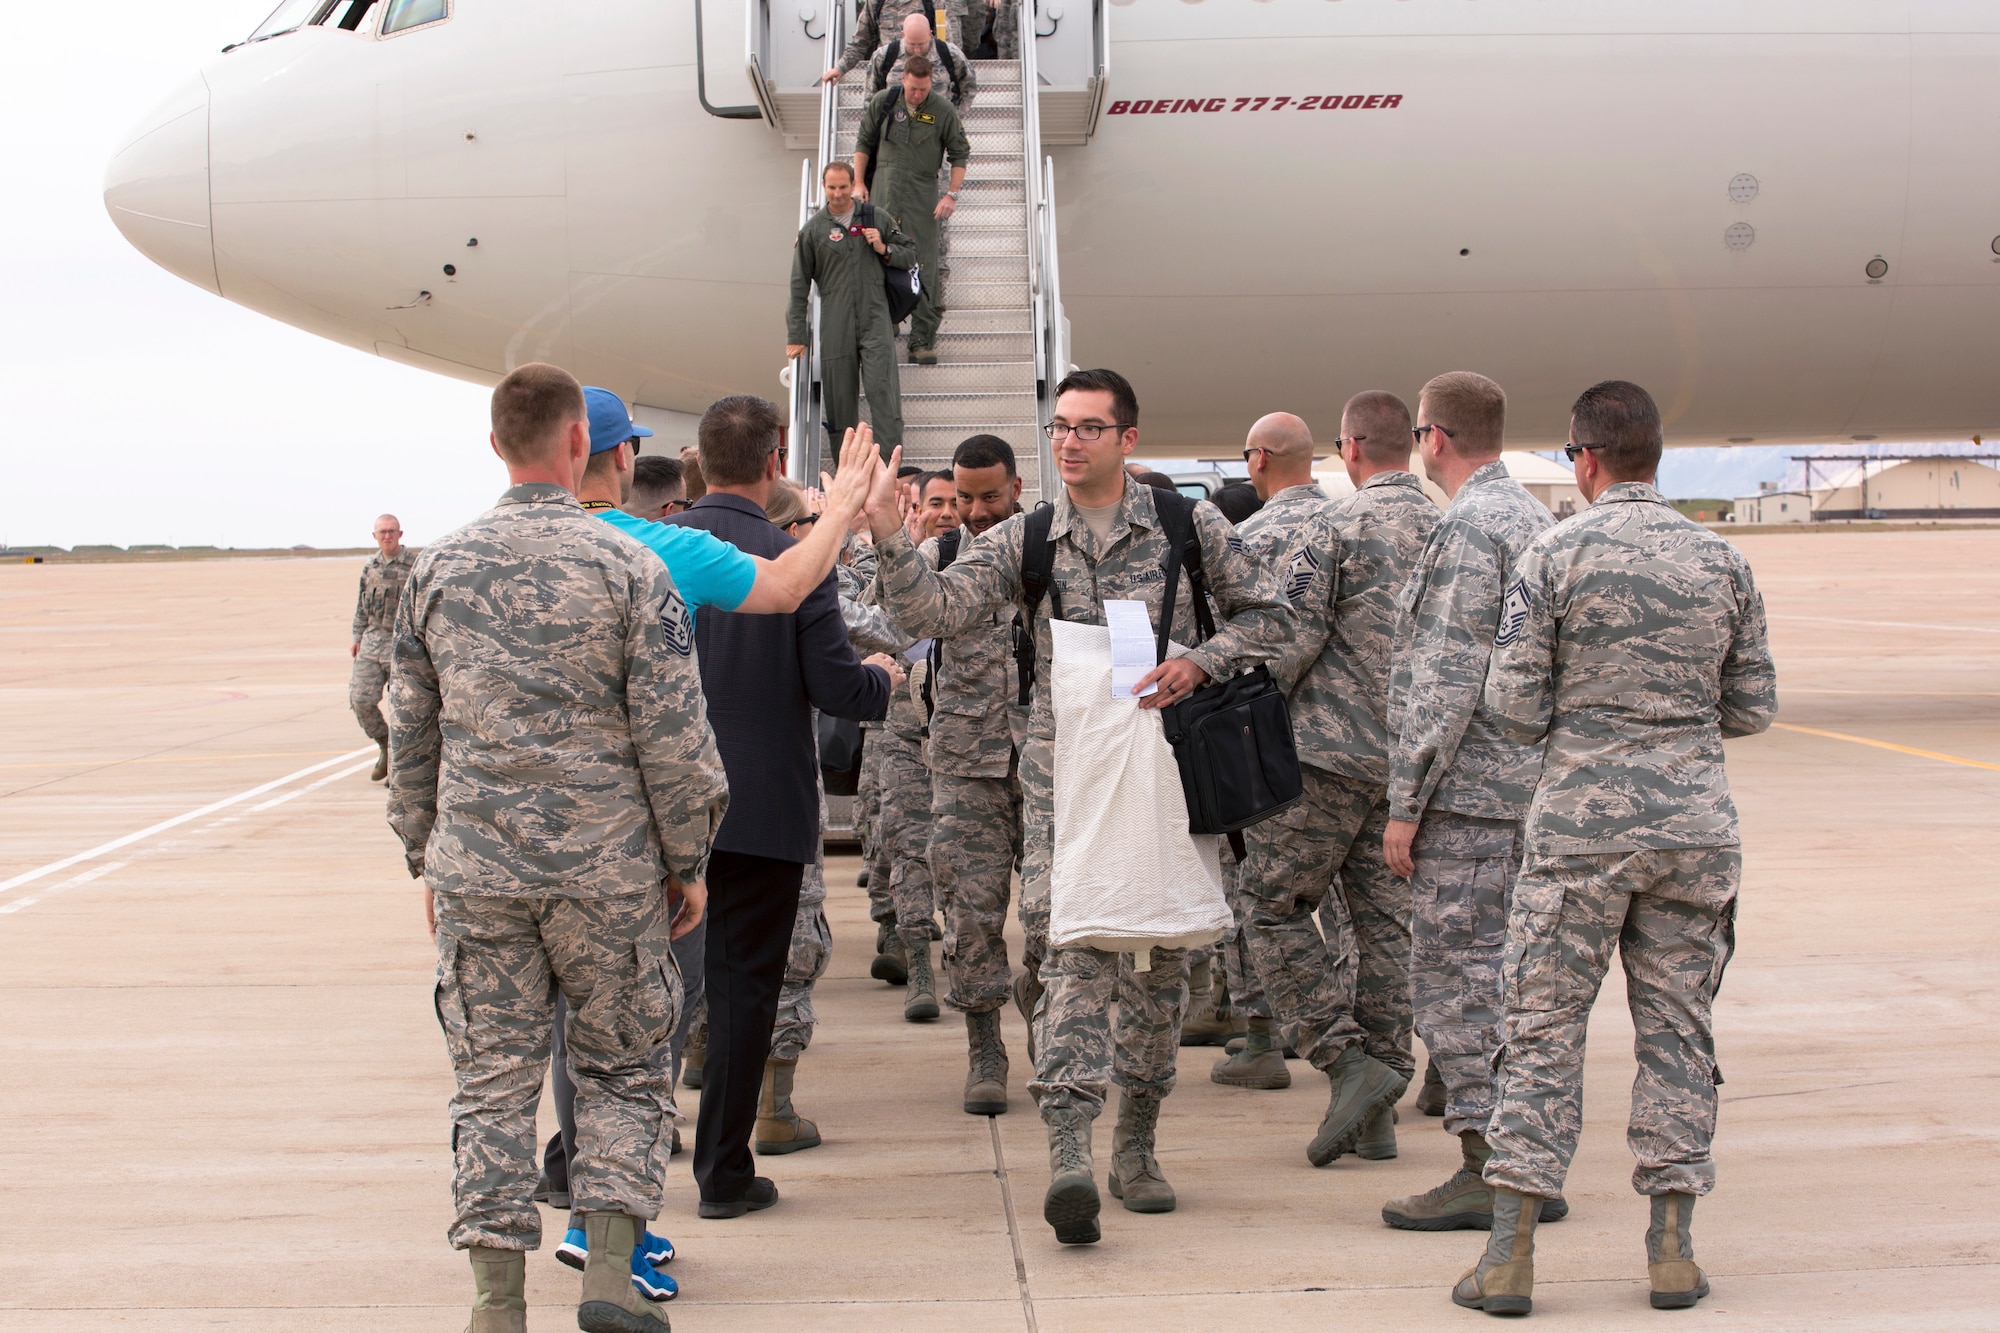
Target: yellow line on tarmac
{"x":1888,"y":745}
{"x":178,"y":759}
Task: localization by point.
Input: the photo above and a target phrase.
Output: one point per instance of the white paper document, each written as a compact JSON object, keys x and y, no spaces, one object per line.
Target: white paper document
{"x":1132,"y":647}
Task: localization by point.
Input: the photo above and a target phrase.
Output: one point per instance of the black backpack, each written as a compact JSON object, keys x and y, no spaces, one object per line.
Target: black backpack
{"x":1232,"y":739}
{"x":903,"y":286}
{"x":947,"y":552}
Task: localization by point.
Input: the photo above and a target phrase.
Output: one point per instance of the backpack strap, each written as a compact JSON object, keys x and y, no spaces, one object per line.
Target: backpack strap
{"x":947,"y":552}
{"x":1038,"y":564}
{"x":1176,"y":513}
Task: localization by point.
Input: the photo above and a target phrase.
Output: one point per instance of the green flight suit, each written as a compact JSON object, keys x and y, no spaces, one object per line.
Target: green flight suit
{"x":857,"y":340}
{"x":908,"y":148}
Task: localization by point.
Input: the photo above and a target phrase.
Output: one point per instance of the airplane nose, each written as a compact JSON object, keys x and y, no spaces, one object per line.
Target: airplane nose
{"x":156,"y":188}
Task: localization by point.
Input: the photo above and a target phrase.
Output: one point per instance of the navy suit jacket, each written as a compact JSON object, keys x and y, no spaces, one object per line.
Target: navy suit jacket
{"x":762,"y":677}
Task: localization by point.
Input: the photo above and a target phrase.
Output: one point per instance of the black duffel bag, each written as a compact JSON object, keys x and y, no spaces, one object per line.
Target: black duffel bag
{"x":903,"y":286}
{"x":1231,"y":738}
{"x":840,"y":754}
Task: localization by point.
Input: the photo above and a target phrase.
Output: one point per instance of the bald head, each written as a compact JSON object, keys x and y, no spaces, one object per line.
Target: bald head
{"x":1282,"y":453}
{"x":916,"y":34}
{"x":388,"y":535}
{"x":1379,"y":424}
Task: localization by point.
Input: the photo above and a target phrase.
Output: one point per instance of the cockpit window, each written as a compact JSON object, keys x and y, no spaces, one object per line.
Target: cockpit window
{"x":288,"y":15}
{"x":403,"y":14}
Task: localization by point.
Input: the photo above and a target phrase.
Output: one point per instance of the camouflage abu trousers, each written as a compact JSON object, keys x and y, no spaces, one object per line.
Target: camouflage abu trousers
{"x":1324,"y":855}
{"x":903,"y":835}
{"x":868,"y":824}
{"x":1239,"y":969}
{"x":1466,"y":869}
{"x":1075,"y":1063}
{"x":500,"y":961}
{"x":812,"y":950}
{"x":366,"y":681}
{"x":1671,"y":915}
{"x":973,"y":827}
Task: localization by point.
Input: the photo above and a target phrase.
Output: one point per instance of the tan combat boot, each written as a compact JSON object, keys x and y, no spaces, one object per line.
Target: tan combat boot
{"x":1208,"y":1021}
{"x":892,"y":962}
{"x":780,"y":1128}
{"x":381,"y":769}
{"x":1259,"y":1063}
{"x":1677,"y":1283}
{"x":920,"y":1003}
{"x":610,"y":1304}
{"x":499,"y":1281}
{"x":1378,"y":1137}
{"x":1135,"y":1172}
{"x":986,"y":1072}
{"x":1462,"y":1202}
{"x":1503,"y":1281}
{"x":1430,"y":1097}
{"x":1361,"y":1085}
{"x":1071,"y":1204}
{"x":694,"y":1054}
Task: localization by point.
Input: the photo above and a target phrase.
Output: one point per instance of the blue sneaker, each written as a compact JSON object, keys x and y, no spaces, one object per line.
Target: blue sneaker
{"x":650,"y":1282}
{"x":574,"y":1249}
{"x":656,"y":1249}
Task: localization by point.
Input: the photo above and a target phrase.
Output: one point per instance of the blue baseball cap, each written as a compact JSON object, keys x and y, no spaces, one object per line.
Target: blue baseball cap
{"x":610,"y":424}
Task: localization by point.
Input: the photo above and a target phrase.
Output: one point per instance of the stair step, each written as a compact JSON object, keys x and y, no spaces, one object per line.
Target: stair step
{"x":1009,"y":242}
{"x":1018,"y":320}
{"x":973,"y":215}
{"x":983,"y":269}
{"x":968,"y":377}
{"x":946,"y":409}
{"x":976,"y":348}
{"x":965,"y":295}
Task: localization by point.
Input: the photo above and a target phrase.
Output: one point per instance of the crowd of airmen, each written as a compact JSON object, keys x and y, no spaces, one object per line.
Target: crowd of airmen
{"x":1510,"y":735}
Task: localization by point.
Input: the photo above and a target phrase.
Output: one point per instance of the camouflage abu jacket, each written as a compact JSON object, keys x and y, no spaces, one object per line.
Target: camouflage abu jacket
{"x":1444,"y":751}
{"x":1345,"y":578}
{"x":972,"y":735}
{"x":381,"y":589}
{"x":1633,"y":641}
{"x":1253,"y":621}
{"x":546,"y":723}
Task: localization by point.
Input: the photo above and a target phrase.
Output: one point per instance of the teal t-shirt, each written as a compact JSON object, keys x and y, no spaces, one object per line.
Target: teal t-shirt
{"x":707,"y":570}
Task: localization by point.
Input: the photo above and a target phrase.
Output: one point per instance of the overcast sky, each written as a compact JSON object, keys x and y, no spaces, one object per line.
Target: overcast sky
{"x":140,"y":408}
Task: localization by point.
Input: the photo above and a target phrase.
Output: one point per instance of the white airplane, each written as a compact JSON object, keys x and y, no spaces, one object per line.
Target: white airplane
{"x":1779,"y":215}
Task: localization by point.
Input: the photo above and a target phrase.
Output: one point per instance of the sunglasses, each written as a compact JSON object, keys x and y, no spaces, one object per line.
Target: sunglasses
{"x":1572,"y":449}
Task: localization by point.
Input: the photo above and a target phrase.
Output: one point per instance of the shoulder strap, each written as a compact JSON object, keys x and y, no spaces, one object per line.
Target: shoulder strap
{"x":1038,"y":564}
{"x":1176,"y":513}
{"x":952,"y":63}
{"x":946,"y":553}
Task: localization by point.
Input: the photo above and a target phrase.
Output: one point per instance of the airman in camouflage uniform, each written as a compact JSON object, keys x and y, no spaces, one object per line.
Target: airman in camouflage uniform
{"x":881,"y":22}
{"x":1632,"y":643}
{"x":948,"y":62}
{"x":1465,"y":784}
{"x":1347,"y":997}
{"x":1267,"y":536}
{"x":382,"y":580}
{"x":1074,"y":1063}
{"x":974,"y":781}
{"x":545,"y":852}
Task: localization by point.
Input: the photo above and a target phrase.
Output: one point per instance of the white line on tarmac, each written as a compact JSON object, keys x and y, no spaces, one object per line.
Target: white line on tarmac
{"x":28,"y":877}
{"x":61,"y":886}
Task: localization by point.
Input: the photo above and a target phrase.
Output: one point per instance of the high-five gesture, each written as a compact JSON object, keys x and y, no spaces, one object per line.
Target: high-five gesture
{"x":883,"y":515}
{"x":847,"y":490}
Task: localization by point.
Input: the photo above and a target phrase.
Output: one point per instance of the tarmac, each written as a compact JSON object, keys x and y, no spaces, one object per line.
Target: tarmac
{"x":224,"y":1090}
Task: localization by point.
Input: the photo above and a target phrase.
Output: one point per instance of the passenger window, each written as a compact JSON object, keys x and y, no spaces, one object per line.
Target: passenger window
{"x":402,"y":14}
{"x":289,"y":15}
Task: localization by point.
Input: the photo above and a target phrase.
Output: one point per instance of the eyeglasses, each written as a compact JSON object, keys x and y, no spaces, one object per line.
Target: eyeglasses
{"x":1342,"y":441}
{"x":1254,"y":449}
{"x":1057,"y":430}
{"x":1572,"y":449}
{"x":1422,"y":431}
{"x":677,"y":506}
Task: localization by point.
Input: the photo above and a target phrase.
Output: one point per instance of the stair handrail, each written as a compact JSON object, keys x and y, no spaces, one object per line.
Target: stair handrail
{"x":804,"y":461}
